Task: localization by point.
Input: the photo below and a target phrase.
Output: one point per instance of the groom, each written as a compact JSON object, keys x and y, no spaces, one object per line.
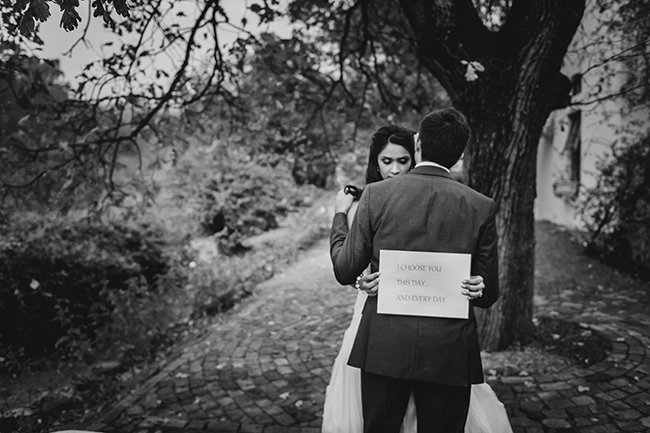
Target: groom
{"x":424,"y":210}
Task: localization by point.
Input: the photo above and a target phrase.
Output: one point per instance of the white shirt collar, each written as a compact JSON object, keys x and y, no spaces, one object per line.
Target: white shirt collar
{"x":431,"y":164}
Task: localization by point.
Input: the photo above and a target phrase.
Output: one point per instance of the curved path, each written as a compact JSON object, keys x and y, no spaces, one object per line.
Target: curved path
{"x":265,"y":364}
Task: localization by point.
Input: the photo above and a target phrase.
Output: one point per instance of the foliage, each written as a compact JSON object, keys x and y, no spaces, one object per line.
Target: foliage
{"x":616,"y":212}
{"x":629,"y":21}
{"x":285,"y":114}
{"x":222,"y":191}
{"x":216,"y":287}
{"x":37,"y":126}
{"x":119,"y":95}
{"x":372,"y":51}
{"x":146,"y":325}
{"x":294,"y":82}
{"x":299,"y":108}
{"x":242,"y":203}
{"x":62,"y":280}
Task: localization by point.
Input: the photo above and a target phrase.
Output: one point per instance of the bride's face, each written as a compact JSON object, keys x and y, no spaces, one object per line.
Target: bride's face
{"x":393,"y":161}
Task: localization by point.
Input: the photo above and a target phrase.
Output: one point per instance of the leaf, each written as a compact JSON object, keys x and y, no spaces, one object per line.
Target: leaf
{"x":58,"y":93}
{"x":161,"y":73}
{"x":24,"y":119}
{"x":121,"y":8}
{"x":21,"y":4}
{"x":40,"y":10}
{"x":70,"y":18}
{"x":27,"y":24}
{"x":101,"y":10}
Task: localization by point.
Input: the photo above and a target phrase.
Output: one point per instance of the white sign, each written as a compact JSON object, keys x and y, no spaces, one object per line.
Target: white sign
{"x":417,"y":283}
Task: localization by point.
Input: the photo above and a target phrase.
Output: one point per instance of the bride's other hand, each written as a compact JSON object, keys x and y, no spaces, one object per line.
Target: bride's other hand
{"x":343,"y":202}
{"x":369,"y":283}
{"x":473,"y":287}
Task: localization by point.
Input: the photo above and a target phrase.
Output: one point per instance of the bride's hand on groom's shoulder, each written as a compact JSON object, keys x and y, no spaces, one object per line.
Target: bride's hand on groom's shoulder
{"x":343,"y":202}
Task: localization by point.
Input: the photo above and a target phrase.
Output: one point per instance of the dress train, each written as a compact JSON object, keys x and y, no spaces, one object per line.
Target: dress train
{"x":342,"y":408}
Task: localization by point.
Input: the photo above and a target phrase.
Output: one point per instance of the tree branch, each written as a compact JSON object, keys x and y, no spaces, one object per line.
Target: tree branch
{"x":84,"y":33}
{"x":608,"y":96}
{"x":179,"y":73}
{"x":447,"y":32}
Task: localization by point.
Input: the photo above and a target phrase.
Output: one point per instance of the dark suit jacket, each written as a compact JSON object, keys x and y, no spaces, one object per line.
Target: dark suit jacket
{"x":424,"y":210}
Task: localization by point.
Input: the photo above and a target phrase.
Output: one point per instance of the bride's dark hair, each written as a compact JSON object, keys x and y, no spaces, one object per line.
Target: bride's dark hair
{"x":388,"y":134}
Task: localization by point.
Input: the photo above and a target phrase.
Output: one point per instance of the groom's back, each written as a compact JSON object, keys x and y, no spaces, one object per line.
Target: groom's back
{"x":426,"y":210}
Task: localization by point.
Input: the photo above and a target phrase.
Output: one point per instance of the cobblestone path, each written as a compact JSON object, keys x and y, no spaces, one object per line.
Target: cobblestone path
{"x":265,"y":365}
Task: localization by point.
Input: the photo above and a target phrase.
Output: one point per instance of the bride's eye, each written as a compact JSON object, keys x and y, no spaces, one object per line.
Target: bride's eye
{"x":404,"y":161}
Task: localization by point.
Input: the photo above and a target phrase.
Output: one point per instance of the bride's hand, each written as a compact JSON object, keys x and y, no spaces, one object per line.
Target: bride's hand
{"x":473,"y":287}
{"x":343,"y":202}
{"x":368,"y":283}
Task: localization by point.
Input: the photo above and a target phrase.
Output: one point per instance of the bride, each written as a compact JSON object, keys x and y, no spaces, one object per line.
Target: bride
{"x":392,"y":154}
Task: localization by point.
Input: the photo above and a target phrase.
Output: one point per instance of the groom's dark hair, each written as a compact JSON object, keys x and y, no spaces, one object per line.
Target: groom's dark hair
{"x":443,"y":136}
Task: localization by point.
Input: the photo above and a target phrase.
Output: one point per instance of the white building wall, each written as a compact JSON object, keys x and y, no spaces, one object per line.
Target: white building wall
{"x":603,"y":123}
{"x":550,"y":166}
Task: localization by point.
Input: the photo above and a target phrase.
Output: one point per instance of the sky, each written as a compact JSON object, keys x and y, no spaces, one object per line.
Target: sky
{"x":57,"y":41}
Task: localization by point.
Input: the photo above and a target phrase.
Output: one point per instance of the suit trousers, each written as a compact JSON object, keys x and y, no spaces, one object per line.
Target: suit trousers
{"x":440,"y":408}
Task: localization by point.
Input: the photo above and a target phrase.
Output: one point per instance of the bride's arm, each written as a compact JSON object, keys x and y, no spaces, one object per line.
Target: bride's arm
{"x":366,"y":282}
{"x":350,"y":248}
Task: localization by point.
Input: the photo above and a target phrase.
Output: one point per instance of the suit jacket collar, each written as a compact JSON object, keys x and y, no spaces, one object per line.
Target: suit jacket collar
{"x":429,"y":170}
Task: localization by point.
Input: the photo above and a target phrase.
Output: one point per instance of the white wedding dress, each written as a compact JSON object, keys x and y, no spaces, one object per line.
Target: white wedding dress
{"x":342,"y":410}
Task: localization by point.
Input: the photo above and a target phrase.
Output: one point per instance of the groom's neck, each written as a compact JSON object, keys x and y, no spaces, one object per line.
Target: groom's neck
{"x":424,"y":162}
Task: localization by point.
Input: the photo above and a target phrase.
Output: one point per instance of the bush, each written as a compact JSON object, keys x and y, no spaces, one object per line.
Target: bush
{"x":240,"y":204}
{"x":616,"y":212}
{"x":58,"y":277}
{"x":217,"y":286}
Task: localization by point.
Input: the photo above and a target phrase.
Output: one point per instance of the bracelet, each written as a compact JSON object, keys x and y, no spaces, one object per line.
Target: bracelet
{"x":357,"y":285}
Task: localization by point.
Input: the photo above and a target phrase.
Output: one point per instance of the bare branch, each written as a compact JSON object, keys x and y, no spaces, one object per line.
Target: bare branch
{"x":608,"y":96}
{"x":619,"y":56}
{"x":82,"y":38}
{"x":179,"y":73}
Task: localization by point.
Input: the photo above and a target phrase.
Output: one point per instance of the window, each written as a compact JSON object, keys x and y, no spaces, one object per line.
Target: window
{"x":573,"y":146}
{"x":576,"y":84}
{"x":568,"y":185}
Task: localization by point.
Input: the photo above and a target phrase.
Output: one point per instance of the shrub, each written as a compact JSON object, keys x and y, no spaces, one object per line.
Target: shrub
{"x":57,"y":279}
{"x":217,"y":286}
{"x":616,"y":213}
{"x":240,"y":204}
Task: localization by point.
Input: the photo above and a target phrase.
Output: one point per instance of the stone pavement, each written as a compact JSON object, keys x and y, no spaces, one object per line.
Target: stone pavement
{"x":265,"y":364}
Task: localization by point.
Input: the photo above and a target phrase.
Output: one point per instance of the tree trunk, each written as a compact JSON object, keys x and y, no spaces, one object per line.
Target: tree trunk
{"x":506,"y":107}
{"x":510,"y":180}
